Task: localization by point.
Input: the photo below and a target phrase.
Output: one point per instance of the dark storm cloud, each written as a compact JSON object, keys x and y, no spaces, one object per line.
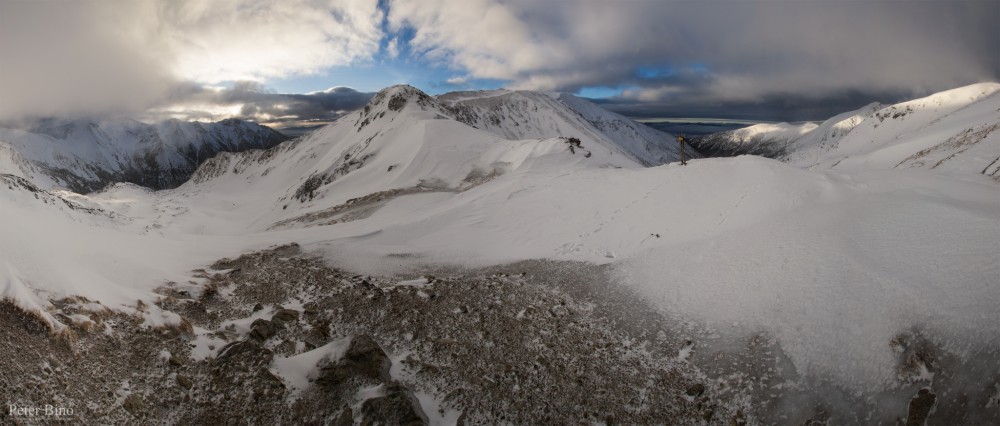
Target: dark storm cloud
{"x":784,"y":56}
{"x":788,"y":107}
{"x":701,"y":53}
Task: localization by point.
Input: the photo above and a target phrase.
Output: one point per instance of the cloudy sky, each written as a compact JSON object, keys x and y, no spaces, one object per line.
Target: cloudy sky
{"x":296,"y":62}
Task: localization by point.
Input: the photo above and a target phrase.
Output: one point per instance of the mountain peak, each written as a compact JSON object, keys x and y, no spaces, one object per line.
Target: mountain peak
{"x":396,"y":97}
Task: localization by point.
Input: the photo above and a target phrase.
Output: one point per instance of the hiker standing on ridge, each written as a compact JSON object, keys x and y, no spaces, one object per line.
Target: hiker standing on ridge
{"x":681,"y":140}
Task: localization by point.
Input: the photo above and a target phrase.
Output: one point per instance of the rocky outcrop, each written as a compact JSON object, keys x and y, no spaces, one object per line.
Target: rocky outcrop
{"x":364,"y":358}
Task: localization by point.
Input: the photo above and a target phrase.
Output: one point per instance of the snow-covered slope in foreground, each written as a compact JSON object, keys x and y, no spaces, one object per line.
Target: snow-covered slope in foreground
{"x":834,"y":264}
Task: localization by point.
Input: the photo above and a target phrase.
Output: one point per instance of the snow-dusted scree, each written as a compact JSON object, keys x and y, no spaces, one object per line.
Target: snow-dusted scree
{"x":854,"y":281}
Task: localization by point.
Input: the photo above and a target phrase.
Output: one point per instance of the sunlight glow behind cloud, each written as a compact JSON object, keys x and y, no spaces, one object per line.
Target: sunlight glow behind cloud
{"x":257,"y":40}
{"x":117,"y":56}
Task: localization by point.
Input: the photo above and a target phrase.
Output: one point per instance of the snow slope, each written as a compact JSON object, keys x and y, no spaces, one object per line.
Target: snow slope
{"x":86,"y":155}
{"x":953,"y":131}
{"x":950,"y":132}
{"x":534,"y":115}
{"x":403,"y":140}
{"x":833,"y":263}
{"x":765,"y":139}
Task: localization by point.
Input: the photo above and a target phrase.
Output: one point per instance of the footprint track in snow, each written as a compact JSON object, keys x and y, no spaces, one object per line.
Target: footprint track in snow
{"x":576,"y":247}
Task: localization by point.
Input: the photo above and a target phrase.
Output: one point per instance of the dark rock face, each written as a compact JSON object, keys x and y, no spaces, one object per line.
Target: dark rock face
{"x":397,"y":407}
{"x":183,"y":381}
{"x":364,"y":358}
{"x":284,"y":316}
{"x":261,"y":330}
{"x":346,"y":417}
{"x":245,"y":362}
{"x":920,"y":408}
{"x":696,"y":390}
{"x":133,"y":404}
{"x":730,"y":144}
{"x":166,"y":154}
{"x":244,"y":353}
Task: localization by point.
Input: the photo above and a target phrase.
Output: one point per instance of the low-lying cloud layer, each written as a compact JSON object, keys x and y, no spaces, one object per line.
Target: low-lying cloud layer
{"x":706,"y":57}
{"x":253,"y":101}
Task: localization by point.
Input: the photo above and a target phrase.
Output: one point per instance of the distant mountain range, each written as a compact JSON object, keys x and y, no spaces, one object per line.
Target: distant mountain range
{"x":86,"y":155}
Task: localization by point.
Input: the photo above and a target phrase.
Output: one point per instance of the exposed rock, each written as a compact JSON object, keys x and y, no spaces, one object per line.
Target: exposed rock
{"x":363,"y":358}
{"x":183,"y":381}
{"x":261,"y":330}
{"x":133,"y":404}
{"x":240,"y":363}
{"x":244,"y":353}
{"x":284,"y":316}
{"x":696,"y":390}
{"x":397,"y":407}
{"x":176,"y":360}
{"x":920,"y":407}
{"x":346,"y":417}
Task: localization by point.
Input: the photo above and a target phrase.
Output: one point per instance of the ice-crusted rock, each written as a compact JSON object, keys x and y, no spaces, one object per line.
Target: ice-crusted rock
{"x":284,"y":316}
{"x":364,"y":358}
{"x":397,"y":407}
{"x":261,"y":330}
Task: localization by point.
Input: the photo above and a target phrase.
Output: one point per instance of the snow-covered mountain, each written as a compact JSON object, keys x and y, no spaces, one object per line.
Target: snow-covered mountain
{"x":534,"y":115}
{"x":826,"y":267}
{"x":405,"y":140}
{"x":952,"y":131}
{"x":766,"y":139}
{"x":86,"y":155}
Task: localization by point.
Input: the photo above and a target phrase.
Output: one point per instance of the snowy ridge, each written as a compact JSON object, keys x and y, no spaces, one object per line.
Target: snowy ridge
{"x":534,"y":115}
{"x":402,"y":140}
{"x":829,"y":133}
{"x":85,"y":155}
{"x":953,"y":132}
{"x":765,"y":139}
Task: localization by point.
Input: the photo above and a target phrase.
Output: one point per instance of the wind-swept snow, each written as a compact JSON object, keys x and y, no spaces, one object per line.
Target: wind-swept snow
{"x":832,"y":263}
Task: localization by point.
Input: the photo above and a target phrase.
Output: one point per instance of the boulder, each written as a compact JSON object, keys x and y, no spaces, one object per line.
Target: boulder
{"x":261,"y":330}
{"x":920,"y":408}
{"x":696,"y":390}
{"x":364,"y":358}
{"x":397,"y":407}
{"x":184,"y":382}
{"x":284,"y":316}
